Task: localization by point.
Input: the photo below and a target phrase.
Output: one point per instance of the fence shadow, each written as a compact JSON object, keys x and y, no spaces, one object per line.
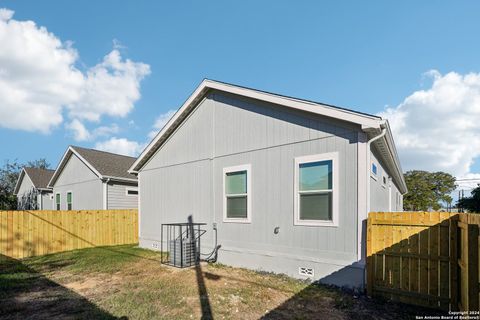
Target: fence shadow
{"x":413,"y":266}
{"x":31,"y":246}
{"x":321,"y":301}
{"x":424,"y":258}
{"x":27,"y":294}
{"x":33,"y":241}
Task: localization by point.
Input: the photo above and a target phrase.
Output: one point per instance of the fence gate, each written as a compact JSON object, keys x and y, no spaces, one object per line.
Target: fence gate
{"x":424,"y":258}
{"x":411,"y":257}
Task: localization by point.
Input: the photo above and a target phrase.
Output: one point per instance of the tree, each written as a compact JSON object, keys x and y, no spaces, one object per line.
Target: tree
{"x":426,"y":190}
{"x":471,"y":203}
{"x":8,"y":178}
{"x":40,"y":164}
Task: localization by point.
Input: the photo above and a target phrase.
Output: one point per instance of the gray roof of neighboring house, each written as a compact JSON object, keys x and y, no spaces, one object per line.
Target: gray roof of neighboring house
{"x":108,"y":164}
{"x":104,"y":164}
{"x":39,"y":177}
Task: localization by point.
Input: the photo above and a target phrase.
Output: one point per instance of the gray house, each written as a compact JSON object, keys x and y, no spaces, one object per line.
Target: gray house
{"x":32,"y":189}
{"x":285,"y":184}
{"x":88,"y":179}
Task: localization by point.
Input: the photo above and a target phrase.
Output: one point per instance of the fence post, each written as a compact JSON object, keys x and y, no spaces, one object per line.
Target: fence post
{"x":369,"y":261}
{"x":454,"y":262}
{"x":472,"y":252}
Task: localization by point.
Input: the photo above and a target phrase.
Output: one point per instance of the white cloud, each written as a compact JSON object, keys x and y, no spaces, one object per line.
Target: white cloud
{"x":39,"y":80}
{"x":160,"y":122}
{"x":81,"y":133}
{"x":120,"y":146}
{"x":437,"y":128}
{"x":106,"y":130}
{"x":110,"y":88}
{"x":6,"y":14}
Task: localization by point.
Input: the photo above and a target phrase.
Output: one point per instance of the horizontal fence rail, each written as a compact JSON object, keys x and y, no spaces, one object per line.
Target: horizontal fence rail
{"x":424,"y":258}
{"x":31,"y":233}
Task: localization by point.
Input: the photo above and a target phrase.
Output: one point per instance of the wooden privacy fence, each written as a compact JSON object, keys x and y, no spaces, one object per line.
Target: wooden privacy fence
{"x":424,"y":258}
{"x":32,"y":233}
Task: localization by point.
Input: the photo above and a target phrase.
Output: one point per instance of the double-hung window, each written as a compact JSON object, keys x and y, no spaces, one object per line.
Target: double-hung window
{"x":316,"y":194}
{"x":57,"y":201}
{"x":69,"y":200}
{"x":237,"y":194}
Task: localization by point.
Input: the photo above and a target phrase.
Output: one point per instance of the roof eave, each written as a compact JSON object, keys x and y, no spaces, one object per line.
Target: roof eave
{"x":206,"y":85}
{"x":391,"y":155}
{"x":61,"y":165}
{"x":20,"y":178}
{"x":119,"y":179}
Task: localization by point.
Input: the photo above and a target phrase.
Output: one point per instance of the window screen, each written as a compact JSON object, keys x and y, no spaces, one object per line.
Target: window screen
{"x":315,"y":190}
{"x":236,"y":194}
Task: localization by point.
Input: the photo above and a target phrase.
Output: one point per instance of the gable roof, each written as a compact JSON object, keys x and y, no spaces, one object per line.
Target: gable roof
{"x":105,"y":165}
{"x":39,"y":178}
{"x":372,"y":125}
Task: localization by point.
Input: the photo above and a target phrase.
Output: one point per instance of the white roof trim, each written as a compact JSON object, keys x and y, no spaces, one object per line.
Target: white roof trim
{"x":20,"y":178}
{"x":367,"y":122}
{"x":391,"y":158}
{"x":63,"y":162}
{"x":312,"y":107}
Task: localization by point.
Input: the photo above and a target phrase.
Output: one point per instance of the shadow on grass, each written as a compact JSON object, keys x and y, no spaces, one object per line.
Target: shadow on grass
{"x":31,"y":246}
{"x":27,"y":294}
{"x":202,"y":288}
{"x":320,"y":301}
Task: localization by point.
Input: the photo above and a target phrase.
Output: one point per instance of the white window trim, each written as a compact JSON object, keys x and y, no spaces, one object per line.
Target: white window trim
{"x":333,"y":156}
{"x":372,"y":174}
{"x":248,"y":169}
{"x":132,"y":189}
{"x":60,"y":202}
{"x":66,"y":199}
{"x":384,"y":184}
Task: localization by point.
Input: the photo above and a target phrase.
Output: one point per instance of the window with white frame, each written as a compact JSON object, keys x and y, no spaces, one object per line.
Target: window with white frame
{"x":69,"y":200}
{"x":237,"y":194}
{"x":316,"y":196}
{"x":57,"y":201}
{"x":131,"y":191}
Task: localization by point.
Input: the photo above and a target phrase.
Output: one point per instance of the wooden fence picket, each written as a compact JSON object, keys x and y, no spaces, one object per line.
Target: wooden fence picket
{"x":32,"y":233}
{"x":424,"y":258}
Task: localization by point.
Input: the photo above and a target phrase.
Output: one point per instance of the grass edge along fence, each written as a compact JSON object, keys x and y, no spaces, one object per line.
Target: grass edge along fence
{"x":424,"y":258}
{"x":32,"y":233}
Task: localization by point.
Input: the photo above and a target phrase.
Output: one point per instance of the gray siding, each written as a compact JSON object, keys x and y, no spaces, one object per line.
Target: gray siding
{"x":185,"y":178}
{"x":396,"y":199}
{"x":85,"y":185}
{"x":25,"y":186}
{"x":45,"y":201}
{"x":117,"y":198}
{"x":383,"y":196}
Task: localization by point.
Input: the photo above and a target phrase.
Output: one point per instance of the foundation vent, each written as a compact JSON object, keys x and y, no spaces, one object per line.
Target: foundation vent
{"x":304,"y":271}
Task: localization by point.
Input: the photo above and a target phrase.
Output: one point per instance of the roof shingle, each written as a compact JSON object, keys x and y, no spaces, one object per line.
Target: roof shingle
{"x":108,"y":164}
{"x":39,"y":177}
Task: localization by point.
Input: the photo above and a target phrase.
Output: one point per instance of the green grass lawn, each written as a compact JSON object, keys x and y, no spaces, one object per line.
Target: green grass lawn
{"x":129,"y":282}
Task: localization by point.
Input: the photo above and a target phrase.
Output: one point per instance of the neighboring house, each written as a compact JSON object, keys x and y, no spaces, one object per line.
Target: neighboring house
{"x":286,"y":183}
{"x":88,"y":179}
{"x":32,"y":189}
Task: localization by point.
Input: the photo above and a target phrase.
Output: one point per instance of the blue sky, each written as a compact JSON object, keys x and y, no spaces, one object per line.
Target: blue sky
{"x":360,"y":55}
